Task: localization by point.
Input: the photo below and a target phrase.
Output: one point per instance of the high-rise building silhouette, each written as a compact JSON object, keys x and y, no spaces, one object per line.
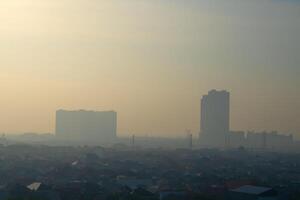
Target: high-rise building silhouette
{"x":215,"y":118}
{"x":86,"y":126}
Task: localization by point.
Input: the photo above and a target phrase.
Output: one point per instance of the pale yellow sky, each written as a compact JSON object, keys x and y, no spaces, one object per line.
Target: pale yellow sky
{"x":151,"y":61}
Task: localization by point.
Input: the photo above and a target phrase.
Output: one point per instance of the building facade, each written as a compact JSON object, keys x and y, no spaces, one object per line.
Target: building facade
{"x":87,"y":126}
{"x":215,"y":118}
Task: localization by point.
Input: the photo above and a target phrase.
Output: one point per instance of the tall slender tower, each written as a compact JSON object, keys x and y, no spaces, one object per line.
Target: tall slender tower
{"x":215,"y":118}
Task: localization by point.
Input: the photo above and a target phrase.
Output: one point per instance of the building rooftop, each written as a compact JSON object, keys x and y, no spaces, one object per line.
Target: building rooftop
{"x":250,"y":189}
{"x":86,"y":111}
{"x":34,"y":186}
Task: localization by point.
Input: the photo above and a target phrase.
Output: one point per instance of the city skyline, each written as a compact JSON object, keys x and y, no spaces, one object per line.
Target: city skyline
{"x":151,"y":61}
{"x":149,"y":100}
{"x":215,"y":120}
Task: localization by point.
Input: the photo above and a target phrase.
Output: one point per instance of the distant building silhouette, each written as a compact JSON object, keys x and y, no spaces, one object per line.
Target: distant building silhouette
{"x":268,"y":140}
{"x":260,"y":140}
{"x":215,"y":117}
{"x":237,"y":139}
{"x":86,"y":126}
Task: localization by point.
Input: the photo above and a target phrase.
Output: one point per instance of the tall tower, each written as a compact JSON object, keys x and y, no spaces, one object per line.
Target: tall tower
{"x":215,"y":118}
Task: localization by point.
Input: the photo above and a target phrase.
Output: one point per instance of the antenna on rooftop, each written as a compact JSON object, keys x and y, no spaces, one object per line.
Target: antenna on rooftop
{"x":190,"y":138}
{"x":133,"y":140}
{"x":264,"y":140}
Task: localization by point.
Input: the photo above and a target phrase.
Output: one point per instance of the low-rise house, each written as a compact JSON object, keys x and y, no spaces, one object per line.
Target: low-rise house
{"x":250,"y":192}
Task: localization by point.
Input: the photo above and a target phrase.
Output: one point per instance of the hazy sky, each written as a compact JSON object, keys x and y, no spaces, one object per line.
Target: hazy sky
{"x":151,"y":61}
